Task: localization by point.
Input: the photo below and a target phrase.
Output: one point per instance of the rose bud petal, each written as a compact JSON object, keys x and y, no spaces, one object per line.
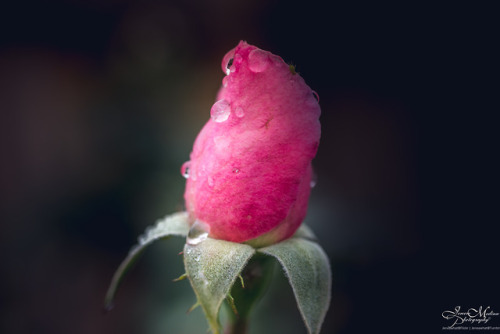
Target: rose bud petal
{"x":250,"y":170}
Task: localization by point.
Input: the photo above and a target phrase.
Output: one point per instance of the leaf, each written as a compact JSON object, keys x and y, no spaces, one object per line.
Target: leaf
{"x":308,"y":270}
{"x":176,"y":224}
{"x":212,"y":267}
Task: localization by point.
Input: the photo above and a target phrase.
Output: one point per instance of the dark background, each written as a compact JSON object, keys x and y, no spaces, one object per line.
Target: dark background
{"x":100,"y":102}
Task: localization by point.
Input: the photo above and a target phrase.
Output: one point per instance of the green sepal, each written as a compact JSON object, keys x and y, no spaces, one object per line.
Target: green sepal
{"x":212,"y":267}
{"x":308,"y":270}
{"x":176,"y":224}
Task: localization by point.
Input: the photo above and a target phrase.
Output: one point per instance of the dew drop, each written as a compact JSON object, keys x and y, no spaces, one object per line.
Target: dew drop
{"x":198,"y":233}
{"x":236,"y":170}
{"x":258,"y":60}
{"x":227,"y":61}
{"x":142,"y":240}
{"x":224,"y":82}
{"x":220,"y":111}
{"x":229,"y":66}
{"x":314,"y":180}
{"x":239,"y":112}
{"x":316,"y":96}
{"x":185,"y":169}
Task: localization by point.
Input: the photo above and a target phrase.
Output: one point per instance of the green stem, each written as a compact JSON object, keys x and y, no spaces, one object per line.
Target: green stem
{"x":238,"y":326}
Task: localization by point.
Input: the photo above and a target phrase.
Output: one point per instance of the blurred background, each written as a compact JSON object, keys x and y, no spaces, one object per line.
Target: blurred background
{"x":100,"y":102}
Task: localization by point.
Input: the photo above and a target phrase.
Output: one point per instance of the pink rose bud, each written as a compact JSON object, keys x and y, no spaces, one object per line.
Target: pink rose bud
{"x":250,"y":171}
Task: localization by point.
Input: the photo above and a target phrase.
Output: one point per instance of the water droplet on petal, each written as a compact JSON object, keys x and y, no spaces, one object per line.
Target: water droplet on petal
{"x":220,"y":111}
{"x":224,"y":82}
{"x":227,"y":61}
{"x":185,"y":169}
{"x":258,"y":60}
{"x":314,"y":180}
{"x":316,"y":96}
{"x":236,"y":170}
{"x":239,"y":112}
{"x":197,"y":233}
{"x":231,"y":65}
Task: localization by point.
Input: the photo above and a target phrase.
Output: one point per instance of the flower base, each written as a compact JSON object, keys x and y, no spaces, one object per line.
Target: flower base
{"x":220,"y":270}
